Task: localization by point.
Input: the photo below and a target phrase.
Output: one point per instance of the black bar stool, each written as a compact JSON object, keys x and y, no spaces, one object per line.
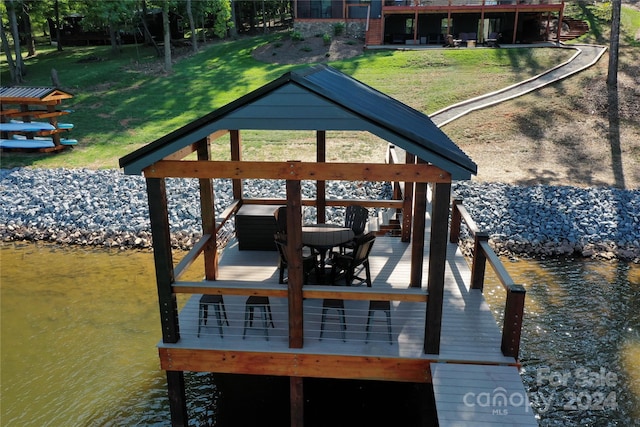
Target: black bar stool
{"x":333,"y":304}
{"x":379,"y":306}
{"x":261,"y":303}
{"x":218,"y":307}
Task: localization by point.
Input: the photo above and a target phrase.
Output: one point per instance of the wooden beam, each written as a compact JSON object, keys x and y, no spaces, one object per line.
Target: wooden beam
{"x":321,"y":186}
{"x":177,"y":399}
{"x":191,"y":256}
{"x":208,"y":215}
{"x":356,"y":293}
{"x":297,"y":170}
{"x":294,"y":266}
{"x":183,"y":152}
{"x":397,"y":204}
{"x":407,"y":203}
{"x":159,"y":217}
{"x":417,"y":241}
{"x":236,"y":156}
{"x":296,"y":364}
{"x":437,"y":266}
{"x":296,"y":398}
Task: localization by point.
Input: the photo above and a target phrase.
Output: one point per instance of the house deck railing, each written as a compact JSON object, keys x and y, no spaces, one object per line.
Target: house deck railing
{"x":482,"y":252}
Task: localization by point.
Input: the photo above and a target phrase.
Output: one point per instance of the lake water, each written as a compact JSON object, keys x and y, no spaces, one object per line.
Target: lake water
{"x":79,"y":329}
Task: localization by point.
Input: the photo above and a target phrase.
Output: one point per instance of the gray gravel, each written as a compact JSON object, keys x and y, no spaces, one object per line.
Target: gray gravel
{"x":107,"y":208}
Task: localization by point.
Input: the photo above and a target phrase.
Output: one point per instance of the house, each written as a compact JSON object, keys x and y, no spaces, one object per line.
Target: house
{"x":432,"y":316}
{"x":430,"y":21}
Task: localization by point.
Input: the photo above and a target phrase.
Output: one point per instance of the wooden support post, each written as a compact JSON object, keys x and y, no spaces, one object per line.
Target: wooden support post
{"x":321,"y":186}
{"x":294,"y":267}
{"x":407,"y":206}
{"x":236,"y":155}
{"x":417,"y":245}
{"x":479,"y":261}
{"x":207,"y":208}
{"x":159,"y":217}
{"x":456,"y":221}
{"x":560,"y":18}
{"x":437,"y":265}
{"x":512,"y":326}
{"x":177,"y":399}
{"x":296,"y":397}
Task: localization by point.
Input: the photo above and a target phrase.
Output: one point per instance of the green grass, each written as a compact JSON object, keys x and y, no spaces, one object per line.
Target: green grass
{"x":124,"y":101}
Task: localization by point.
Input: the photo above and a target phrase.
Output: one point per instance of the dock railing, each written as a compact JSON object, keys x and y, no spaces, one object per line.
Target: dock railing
{"x":482,"y":252}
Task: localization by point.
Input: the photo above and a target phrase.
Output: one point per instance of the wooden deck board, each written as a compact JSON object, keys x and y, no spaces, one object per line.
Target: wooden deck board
{"x":469,"y":330}
{"x":480,"y":395}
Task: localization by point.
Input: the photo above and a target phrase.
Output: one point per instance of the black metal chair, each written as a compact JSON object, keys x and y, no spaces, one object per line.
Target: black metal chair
{"x":338,"y":305}
{"x":255,"y":302}
{"x":218,"y":306}
{"x":355,"y":218}
{"x":309,"y":262}
{"x":352,"y":264}
{"x":384,"y":306}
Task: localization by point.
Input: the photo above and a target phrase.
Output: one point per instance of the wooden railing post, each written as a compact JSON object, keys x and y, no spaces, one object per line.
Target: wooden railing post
{"x":479,"y":260}
{"x":512,"y":327}
{"x":456,"y":219}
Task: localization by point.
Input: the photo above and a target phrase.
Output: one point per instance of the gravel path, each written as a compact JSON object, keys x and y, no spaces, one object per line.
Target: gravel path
{"x":106,"y":208}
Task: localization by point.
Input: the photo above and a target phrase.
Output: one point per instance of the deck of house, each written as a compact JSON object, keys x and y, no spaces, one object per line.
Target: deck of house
{"x":469,"y":329}
{"x":470,"y":363}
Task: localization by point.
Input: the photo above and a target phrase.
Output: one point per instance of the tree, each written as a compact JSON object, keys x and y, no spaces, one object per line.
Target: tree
{"x":19,"y":70}
{"x":192,"y":26}
{"x":167,"y":37}
{"x":612,"y":94}
{"x":7,"y":51}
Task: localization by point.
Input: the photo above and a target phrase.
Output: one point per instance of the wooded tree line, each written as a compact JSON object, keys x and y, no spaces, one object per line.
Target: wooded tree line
{"x":155,"y":22}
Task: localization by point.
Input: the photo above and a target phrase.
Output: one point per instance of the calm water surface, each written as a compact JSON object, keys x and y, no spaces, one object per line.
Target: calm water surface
{"x":79,"y":330}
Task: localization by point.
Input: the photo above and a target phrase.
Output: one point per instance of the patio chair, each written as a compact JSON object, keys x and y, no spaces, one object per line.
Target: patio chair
{"x":281,"y":220}
{"x":353,"y":263}
{"x":309,"y":262}
{"x":355,"y":218}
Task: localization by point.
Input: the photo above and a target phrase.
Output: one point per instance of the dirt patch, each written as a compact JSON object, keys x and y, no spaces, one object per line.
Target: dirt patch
{"x":308,"y":51}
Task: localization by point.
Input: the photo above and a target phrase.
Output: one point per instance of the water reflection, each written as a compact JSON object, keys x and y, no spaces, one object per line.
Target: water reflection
{"x":580,"y":346}
{"x":79,"y":329}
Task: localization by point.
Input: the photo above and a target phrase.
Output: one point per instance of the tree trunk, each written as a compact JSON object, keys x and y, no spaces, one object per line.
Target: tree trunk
{"x":113,"y":36}
{"x":167,"y":37}
{"x":11,"y":9}
{"x":192,"y":25}
{"x":7,"y":51}
{"x":233,"y":31}
{"x":31,"y":44}
{"x":612,"y":96}
{"x":58,"y":39}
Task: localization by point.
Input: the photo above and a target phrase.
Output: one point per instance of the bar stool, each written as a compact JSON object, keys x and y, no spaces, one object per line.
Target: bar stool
{"x":333,"y":304}
{"x":379,"y":306}
{"x":218,"y":307}
{"x":261,"y":303}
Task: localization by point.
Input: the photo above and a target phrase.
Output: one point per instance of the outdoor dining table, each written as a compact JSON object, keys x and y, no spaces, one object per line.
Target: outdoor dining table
{"x":323,"y":237}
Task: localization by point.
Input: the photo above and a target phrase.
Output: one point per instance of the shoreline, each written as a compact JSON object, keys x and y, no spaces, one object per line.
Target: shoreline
{"x":107,"y":209}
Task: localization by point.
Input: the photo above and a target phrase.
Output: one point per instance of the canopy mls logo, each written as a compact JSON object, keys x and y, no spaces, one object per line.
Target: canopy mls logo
{"x":499,"y":400}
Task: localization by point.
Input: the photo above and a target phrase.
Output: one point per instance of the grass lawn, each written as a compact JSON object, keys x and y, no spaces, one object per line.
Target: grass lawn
{"x":124,"y":101}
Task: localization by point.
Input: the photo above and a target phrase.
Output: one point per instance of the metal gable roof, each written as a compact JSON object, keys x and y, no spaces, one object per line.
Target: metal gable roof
{"x":384,"y":110}
{"x":21,"y":94}
{"x":412,"y":127}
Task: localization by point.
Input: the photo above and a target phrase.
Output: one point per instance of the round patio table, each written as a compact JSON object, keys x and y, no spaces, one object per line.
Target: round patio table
{"x":322,"y":237}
